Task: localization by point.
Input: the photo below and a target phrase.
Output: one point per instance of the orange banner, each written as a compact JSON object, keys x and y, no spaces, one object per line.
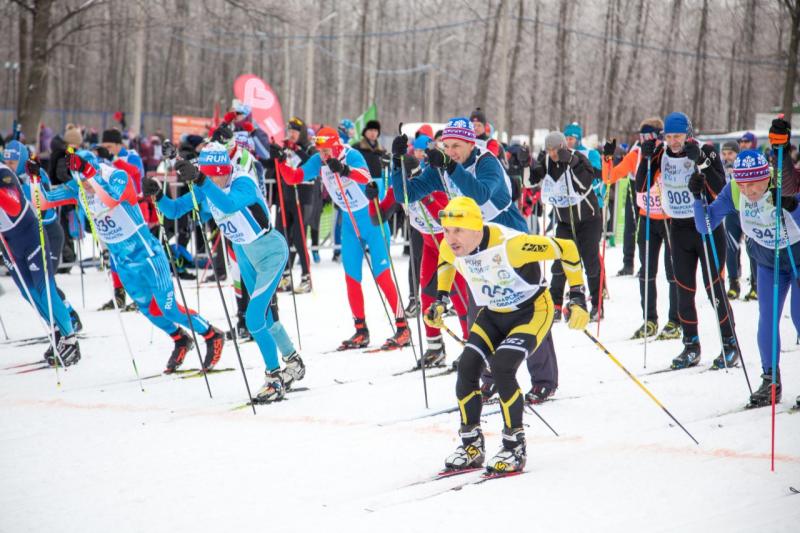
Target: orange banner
{"x":182,"y":124}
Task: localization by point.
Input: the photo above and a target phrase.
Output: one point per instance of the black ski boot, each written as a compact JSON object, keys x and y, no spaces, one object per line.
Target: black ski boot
{"x":539,"y":394}
{"x":242,"y":333}
{"x":512,"y":456}
{"x":412,"y":309}
{"x":69,"y":352}
{"x":435,"y":354}
{"x":596,"y":314}
{"x":648,"y":329}
{"x":626,"y":270}
{"x":730,"y":352}
{"x":471,"y":453}
{"x":762,"y":397}
{"x":183,"y":343}
{"x":77,"y":325}
{"x":359,"y":340}
{"x":690,"y":356}
{"x":734,"y":289}
{"x":119,"y":296}
{"x":273,"y":389}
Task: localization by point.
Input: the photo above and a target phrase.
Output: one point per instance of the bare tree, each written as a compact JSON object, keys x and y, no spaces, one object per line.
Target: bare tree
{"x":791,"y":71}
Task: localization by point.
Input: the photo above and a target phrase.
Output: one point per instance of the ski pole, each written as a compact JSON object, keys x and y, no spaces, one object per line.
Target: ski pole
{"x":638,"y":383}
{"x":713,"y":247}
{"x":603,"y":236}
{"x":302,"y":231}
{"x":385,"y":240}
{"x":364,"y":250}
{"x":775,"y":315}
{"x":532,"y":410}
{"x":48,"y":291}
{"x":224,"y":305}
{"x":647,"y":256}
{"x":286,"y":230}
{"x":80,"y":261}
{"x":3,"y":325}
{"x":85,"y":202}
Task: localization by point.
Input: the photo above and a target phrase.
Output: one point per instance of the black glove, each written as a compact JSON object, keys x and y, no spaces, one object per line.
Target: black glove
{"x":371,"y":191}
{"x":222,"y":134}
{"x":564,"y":155}
{"x":276,"y":152}
{"x":693,"y":152}
{"x":438,"y":159}
{"x":400,"y":146}
{"x":188,"y":173}
{"x":577,"y":295}
{"x":697,"y":183}
{"x":789,"y":203}
{"x":169,"y":150}
{"x":103,"y":153}
{"x":779,"y":133}
{"x":151,"y":187}
{"x":32,"y":167}
{"x":648,"y":148}
{"x":337,"y":166}
{"x":609,"y":148}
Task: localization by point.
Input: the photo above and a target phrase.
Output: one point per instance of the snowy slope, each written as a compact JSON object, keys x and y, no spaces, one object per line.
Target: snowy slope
{"x":98,"y":454}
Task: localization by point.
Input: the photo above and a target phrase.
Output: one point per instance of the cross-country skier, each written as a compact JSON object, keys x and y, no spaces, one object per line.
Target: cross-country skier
{"x":503,"y":270}
{"x":19,"y":227}
{"x":139,"y":259}
{"x":650,"y":138}
{"x":344,"y":174}
{"x":234,"y":200}
{"x":683,"y":157}
{"x":752,"y":197}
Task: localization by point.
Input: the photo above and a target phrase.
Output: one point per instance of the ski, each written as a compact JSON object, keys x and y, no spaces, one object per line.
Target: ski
{"x":417,"y":369}
{"x":344,"y":349}
{"x":248,"y":404}
{"x":384,"y":348}
{"x":794,"y":490}
{"x":23,"y":365}
{"x":200,"y":373}
{"x":34,"y":369}
{"x":445,"y":474}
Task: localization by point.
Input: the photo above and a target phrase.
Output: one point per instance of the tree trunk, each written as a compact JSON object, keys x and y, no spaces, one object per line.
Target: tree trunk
{"x":485,"y":73}
{"x":33,"y":86}
{"x":791,"y":70}
{"x":512,"y":74}
{"x":700,"y":70}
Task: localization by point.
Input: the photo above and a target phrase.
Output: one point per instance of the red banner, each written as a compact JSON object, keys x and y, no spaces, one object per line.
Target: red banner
{"x":256,"y":93}
{"x":182,"y":125}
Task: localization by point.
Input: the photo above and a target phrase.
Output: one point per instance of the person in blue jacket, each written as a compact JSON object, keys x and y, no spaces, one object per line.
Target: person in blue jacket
{"x":573,"y":132}
{"x":753,"y":197}
{"x":29,"y":171}
{"x":22,"y":247}
{"x":139,"y":260}
{"x":231,"y":195}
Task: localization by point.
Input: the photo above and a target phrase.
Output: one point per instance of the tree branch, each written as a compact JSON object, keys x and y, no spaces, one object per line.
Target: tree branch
{"x":24,"y":6}
{"x":72,"y":13}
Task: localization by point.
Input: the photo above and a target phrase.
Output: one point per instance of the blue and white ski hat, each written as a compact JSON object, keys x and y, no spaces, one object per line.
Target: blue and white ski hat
{"x":13,"y":151}
{"x":214,"y":160}
{"x":677,"y":122}
{"x":459,"y":128}
{"x":421,"y":142}
{"x":750,"y":166}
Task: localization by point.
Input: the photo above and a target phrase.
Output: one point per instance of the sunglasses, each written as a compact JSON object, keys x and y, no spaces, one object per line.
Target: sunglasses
{"x":451,"y":214}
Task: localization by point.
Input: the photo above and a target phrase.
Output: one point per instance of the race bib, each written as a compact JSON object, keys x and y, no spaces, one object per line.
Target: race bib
{"x":352,"y":191}
{"x":758,"y":223}
{"x":654,"y":199}
{"x":235,"y":226}
{"x":421,"y":219}
{"x":113,"y":225}
{"x":676,"y":200}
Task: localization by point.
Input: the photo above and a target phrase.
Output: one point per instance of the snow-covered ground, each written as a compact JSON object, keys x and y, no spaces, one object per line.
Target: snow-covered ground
{"x":98,"y":454}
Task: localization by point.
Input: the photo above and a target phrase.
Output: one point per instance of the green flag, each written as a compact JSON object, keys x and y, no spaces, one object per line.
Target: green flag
{"x":370,"y":114}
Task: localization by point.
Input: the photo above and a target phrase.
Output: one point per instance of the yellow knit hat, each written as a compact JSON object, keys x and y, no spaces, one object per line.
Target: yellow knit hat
{"x":462,"y":212}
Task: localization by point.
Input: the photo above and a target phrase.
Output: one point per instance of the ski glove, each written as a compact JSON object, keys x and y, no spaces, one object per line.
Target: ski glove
{"x":32,"y":168}
{"x":697,"y":183}
{"x":276,"y":152}
{"x":693,"y":152}
{"x":779,"y":133}
{"x":76,"y":163}
{"x":222,"y":134}
{"x":169,"y":150}
{"x":151,"y":187}
{"x":188,"y":173}
{"x":438,"y":159}
{"x":400,"y":146}
{"x":371,"y":191}
{"x":564,"y":155}
{"x":648,"y":148}
{"x":609,"y":148}
{"x":103,"y":153}
{"x":575,"y":312}
{"x":337,"y":166}
{"x":789,"y":203}
{"x":434,"y":316}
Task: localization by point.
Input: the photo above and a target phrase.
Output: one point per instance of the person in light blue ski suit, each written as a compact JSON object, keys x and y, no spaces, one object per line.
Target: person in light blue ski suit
{"x":231,"y":196}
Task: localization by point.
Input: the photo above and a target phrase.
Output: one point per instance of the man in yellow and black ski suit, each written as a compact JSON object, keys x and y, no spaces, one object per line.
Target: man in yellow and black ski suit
{"x":503,"y":270}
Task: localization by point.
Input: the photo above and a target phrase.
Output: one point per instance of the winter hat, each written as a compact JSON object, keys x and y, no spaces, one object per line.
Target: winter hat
{"x":462,"y":212}
{"x":555,"y":140}
{"x":371,"y":125}
{"x":18,"y":152}
{"x":651,"y":128}
{"x":112,"y":136}
{"x":677,"y":122}
{"x":214,"y":160}
{"x":574,"y":130}
{"x":241,"y":108}
{"x":459,"y":128}
{"x":421,"y":142}
{"x":748,"y":137}
{"x":296,"y":124}
{"x":750,"y":166}
{"x":73,"y":136}
{"x":478,"y":115}
{"x":425,"y":129}
{"x":732,"y":146}
{"x":326,"y":137}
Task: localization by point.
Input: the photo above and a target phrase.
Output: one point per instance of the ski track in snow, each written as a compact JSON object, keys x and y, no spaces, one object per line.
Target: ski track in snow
{"x":97,"y":454}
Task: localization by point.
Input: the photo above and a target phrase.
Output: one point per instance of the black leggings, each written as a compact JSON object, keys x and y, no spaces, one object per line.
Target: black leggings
{"x":414,"y":267}
{"x":687,"y":253}
{"x":587,"y":239}
{"x":501,"y":341}
{"x":631,"y":219}
{"x":658,"y":235}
